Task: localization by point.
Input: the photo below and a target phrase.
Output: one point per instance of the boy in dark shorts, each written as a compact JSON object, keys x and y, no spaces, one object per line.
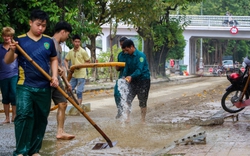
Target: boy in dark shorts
{"x":62,"y":31}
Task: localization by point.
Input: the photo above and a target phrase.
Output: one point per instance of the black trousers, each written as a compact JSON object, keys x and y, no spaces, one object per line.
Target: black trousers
{"x":141,"y":89}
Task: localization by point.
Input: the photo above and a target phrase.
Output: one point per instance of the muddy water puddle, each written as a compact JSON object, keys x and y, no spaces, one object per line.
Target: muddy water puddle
{"x":132,"y":139}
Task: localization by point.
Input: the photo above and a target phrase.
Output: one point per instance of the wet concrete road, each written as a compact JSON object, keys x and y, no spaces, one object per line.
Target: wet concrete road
{"x":134,"y":139}
{"x":229,"y":139}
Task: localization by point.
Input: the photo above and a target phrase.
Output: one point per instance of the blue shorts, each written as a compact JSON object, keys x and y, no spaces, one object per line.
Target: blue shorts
{"x":8,"y":89}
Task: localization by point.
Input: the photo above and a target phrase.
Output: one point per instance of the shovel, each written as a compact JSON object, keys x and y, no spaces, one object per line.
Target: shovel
{"x":109,"y":144}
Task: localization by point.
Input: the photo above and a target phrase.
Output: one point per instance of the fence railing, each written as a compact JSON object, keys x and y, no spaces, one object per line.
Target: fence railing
{"x":210,"y":70}
{"x":210,"y":20}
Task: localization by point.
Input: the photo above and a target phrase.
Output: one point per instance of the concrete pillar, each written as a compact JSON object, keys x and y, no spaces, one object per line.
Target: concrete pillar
{"x":192,"y":64}
{"x":187,"y":49}
{"x":104,"y":39}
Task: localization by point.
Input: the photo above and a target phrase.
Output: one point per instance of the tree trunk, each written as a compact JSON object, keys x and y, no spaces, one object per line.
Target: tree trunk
{"x":111,"y":56}
{"x":112,"y":34}
{"x":216,"y":52}
{"x":220,"y":52}
{"x":162,"y":70}
{"x":92,"y":48}
{"x":160,"y":60}
{"x":148,"y":50}
{"x":157,"y":59}
{"x":235,"y":49}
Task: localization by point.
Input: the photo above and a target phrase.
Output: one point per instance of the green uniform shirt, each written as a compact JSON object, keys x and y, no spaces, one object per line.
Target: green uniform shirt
{"x":137,"y":66}
{"x":121,"y":58}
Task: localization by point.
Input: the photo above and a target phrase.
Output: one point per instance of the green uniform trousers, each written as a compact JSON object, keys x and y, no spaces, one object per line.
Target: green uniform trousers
{"x":117,"y":96}
{"x":32,"y":110}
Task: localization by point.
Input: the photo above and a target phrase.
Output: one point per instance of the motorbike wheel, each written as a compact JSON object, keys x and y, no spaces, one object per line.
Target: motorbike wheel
{"x":229,"y":98}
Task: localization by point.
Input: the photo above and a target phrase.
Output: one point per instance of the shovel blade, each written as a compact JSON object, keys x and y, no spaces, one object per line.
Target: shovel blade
{"x":99,"y":146}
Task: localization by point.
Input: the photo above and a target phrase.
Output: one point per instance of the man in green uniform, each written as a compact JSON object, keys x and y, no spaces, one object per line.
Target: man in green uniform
{"x":136,"y":73}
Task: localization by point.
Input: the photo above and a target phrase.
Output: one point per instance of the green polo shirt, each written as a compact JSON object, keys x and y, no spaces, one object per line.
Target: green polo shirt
{"x":121,"y":58}
{"x":137,"y":66}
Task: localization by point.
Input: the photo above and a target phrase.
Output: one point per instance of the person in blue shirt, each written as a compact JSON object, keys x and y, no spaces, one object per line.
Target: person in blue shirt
{"x":120,"y":58}
{"x":8,"y":76}
{"x":33,"y":100}
{"x":136,"y":73}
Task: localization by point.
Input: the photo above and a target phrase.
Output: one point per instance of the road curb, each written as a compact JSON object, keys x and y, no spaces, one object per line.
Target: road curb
{"x":110,"y":85}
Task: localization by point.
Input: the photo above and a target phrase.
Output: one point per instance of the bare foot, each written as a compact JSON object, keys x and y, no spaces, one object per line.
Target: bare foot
{"x":65,"y":136}
{"x":6,"y":121}
{"x":127,"y":121}
{"x":143,"y":121}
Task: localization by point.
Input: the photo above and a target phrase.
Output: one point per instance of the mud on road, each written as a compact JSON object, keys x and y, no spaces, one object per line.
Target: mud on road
{"x":170,"y":100}
{"x":172,"y":106}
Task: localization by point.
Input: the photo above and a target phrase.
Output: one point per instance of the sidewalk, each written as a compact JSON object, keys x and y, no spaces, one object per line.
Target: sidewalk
{"x":229,"y":139}
{"x":91,"y":86}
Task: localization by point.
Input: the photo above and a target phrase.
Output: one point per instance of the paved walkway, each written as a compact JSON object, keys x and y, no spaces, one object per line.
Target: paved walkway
{"x":232,"y":138}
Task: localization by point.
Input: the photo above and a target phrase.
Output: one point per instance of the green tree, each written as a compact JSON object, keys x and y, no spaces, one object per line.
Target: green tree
{"x":222,"y":47}
{"x":160,"y":34}
{"x":16,"y":14}
{"x":93,"y":14}
{"x":85,"y":17}
{"x":105,"y":57}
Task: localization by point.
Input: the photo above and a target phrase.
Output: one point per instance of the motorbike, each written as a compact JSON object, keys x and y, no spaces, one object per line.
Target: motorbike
{"x":230,"y":23}
{"x":219,"y":70}
{"x":236,"y":97}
